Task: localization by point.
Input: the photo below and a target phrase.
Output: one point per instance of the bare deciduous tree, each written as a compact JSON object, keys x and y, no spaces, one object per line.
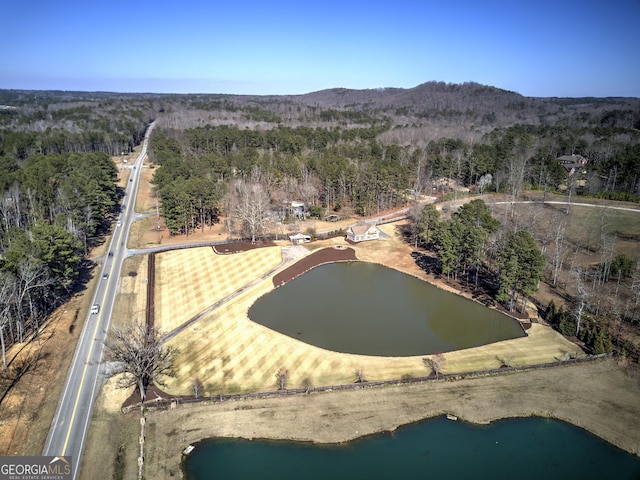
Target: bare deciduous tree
{"x":251,"y":207}
{"x":360,"y":376}
{"x":308,"y":186}
{"x":282,"y":376}
{"x":7,"y":296}
{"x":307,"y":384}
{"x":33,"y":276}
{"x":414,"y":224}
{"x":506,"y":360}
{"x":435,"y":363}
{"x":559,"y":252}
{"x":140,"y":355}
{"x":582,"y":297}
{"x":198,"y":387}
{"x":518,"y":165}
{"x":484,"y":181}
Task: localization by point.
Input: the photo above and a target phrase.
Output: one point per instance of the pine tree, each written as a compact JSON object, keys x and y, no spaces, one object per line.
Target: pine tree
{"x":521,"y":265}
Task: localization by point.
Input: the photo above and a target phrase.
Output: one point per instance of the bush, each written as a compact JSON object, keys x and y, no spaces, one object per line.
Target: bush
{"x":316,"y":212}
{"x":621,"y":266}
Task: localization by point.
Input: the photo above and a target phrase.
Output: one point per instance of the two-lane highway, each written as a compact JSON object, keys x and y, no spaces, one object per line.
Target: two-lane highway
{"x":72,"y":417}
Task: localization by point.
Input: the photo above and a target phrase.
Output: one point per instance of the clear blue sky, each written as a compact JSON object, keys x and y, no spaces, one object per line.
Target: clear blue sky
{"x":537,"y":48}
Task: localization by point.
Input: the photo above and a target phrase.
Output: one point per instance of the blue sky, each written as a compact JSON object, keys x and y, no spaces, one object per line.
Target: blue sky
{"x":537,"y":48}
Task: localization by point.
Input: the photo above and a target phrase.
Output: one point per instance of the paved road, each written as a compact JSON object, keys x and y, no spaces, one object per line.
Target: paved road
{"x":574,"y":204}
{"x":72,"y":417}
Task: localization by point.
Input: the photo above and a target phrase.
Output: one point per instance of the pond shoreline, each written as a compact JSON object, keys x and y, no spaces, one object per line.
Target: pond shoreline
{"x":578,"y":394}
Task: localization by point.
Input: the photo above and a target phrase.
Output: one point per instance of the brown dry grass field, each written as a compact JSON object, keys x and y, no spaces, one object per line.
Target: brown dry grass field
{"x":227,"y":351}
{"x":580,"y":394}
{"x":190,"y":280}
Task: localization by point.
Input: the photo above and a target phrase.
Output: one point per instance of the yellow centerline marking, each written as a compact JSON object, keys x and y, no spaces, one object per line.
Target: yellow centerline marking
{"x":86,"y":365}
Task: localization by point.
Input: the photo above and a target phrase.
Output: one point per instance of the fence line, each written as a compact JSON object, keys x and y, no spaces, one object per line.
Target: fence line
{"x":174,"y":401}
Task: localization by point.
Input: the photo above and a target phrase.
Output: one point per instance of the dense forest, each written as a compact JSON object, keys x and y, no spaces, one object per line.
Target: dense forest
{"x":52,"y":209}
{"x":332,"y":168}
{"x":245,"y":159}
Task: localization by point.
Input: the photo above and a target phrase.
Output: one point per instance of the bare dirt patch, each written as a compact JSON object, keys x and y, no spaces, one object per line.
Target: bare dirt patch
{"x":147,"y":200}
{"x":112,"y":445}
{"x":28,"y":408}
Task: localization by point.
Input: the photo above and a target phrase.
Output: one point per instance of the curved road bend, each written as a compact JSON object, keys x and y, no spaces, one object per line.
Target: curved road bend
{"x":71,"y":420}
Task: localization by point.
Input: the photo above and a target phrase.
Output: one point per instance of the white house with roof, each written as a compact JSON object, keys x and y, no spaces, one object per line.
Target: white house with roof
{"x":299,"y":238}
{"x":361,"y":232}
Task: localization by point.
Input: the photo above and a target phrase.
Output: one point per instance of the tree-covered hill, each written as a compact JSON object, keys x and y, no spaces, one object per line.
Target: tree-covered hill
{"x":461,"y":106}
{"x":481,"y":105}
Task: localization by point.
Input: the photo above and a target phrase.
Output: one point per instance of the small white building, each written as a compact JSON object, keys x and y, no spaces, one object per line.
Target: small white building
{"x":299,"y":238}
{"x":297,"y":209}
{"x":362,"y":232}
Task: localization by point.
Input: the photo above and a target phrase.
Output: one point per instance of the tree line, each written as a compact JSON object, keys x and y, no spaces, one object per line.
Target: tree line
{"x":339,"y":167}
{"x":59,"y":122}
{"x":52,"y":209}
{"x":509,"y":260}
{"x":317,"y":166}
{"x":469,"y":250}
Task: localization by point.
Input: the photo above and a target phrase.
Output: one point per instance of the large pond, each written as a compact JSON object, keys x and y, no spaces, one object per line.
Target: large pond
{"x":368,"y":309}
{"x":529,"y":448}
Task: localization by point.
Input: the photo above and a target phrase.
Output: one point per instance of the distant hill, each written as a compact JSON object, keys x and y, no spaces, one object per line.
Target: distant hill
{"x":469,"y":105}
{"x":480,"y":102}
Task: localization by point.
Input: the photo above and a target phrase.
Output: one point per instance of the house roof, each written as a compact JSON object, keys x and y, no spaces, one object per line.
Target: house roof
{"x":361,"y":228}
{"x":298,"y":236}
{"x":572,"y":166}
{"x":571,"y":159}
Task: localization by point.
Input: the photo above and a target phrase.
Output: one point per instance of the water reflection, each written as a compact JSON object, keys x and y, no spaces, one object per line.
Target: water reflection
{"x":528,"y":448}
{"x":369,"y":309}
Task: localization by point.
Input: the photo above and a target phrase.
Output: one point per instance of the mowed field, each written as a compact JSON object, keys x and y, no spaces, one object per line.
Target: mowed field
{"x":227,"y":352}
{"x":190,"y":280}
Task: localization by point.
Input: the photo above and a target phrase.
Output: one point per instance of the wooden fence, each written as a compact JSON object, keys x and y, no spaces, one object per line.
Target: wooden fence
{"x":175,"y":401}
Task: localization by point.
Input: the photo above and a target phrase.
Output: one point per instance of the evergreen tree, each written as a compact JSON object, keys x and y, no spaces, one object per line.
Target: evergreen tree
{"x":521,"y":266}
{"x":427,"y":224}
